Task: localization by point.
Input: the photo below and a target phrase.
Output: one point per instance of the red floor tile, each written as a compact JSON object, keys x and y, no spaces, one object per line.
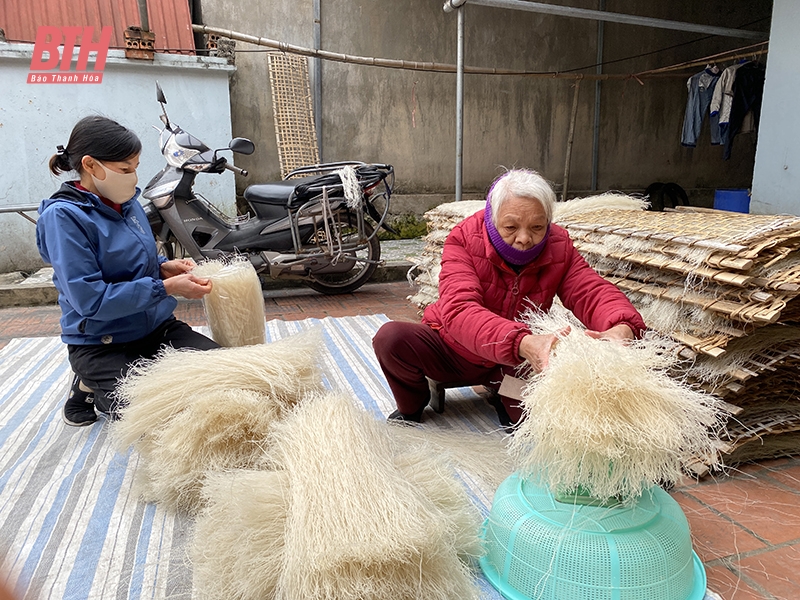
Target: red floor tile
{"x":765,"y":509}
{"x":758,"y":467}
{"x":713,"y":536}
{"x":789,"y":476}
{"x":775,"y":571}
{"x":730,"y":586}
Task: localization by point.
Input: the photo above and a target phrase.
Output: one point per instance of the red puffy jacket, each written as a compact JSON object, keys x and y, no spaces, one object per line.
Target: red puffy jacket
{"x":480,"y":295}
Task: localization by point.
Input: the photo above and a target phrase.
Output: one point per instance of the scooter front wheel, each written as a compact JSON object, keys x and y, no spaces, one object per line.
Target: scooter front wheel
{"x":344,"y":283}
{"x":172,"y":248}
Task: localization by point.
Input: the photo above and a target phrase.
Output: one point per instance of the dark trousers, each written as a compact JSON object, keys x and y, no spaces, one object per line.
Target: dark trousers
{"x":101,"y":366}
{"x":410,"y":352}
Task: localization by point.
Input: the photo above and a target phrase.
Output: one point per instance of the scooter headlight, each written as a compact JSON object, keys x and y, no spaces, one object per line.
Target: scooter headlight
{"x":176,"y":154}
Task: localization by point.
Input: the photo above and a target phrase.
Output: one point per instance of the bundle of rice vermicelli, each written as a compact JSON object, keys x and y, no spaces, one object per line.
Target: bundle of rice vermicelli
{"x":356,"y":528}
{"x":432,"y":475}
{"x":606,"y":417}
{"x":563,"y":211}
{"x":475,"y":455}
{"x":244,"y":520}
{"x":235,"y":306}
{"x":238,"y":548}
{"x":188,"y":412}
{"x":355,"y":511}
{"x":220,"y":430}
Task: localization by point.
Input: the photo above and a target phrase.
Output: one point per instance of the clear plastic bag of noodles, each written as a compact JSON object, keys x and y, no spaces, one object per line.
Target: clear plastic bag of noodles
{"x":235,"y":306}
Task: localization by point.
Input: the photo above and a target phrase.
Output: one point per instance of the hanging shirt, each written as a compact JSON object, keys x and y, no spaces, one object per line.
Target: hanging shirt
{"x":701,"y":89}
{"x":723,"y":94}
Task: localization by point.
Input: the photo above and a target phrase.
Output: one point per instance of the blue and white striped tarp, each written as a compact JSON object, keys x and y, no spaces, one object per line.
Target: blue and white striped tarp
{"x":70,"y":526}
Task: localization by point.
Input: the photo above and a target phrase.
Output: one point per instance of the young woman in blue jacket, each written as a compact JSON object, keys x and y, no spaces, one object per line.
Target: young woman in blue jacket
{"x":115,"y":292}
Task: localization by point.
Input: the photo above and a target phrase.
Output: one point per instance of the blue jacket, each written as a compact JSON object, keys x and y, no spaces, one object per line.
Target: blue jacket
{"x":106,"y":269}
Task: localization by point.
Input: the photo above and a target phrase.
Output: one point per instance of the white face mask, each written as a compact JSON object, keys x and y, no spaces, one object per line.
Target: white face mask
{"x":117,"y":187}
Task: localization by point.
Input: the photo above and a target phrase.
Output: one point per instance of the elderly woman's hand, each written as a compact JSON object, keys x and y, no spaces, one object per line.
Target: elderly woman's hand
{"x":536,"y":348}
{"x":618,"y":333}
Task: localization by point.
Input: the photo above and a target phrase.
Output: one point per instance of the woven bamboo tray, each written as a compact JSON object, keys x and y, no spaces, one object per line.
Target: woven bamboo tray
{"x":747,"y":450}
{"x":744,"y":311}
{"x":774,"y":271}
{"x":764,"y":351}
{"x":736,"y":234}
{"x":295,"y":131}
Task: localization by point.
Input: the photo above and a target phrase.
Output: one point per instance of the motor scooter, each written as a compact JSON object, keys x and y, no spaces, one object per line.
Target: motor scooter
{"x":312,"y":226}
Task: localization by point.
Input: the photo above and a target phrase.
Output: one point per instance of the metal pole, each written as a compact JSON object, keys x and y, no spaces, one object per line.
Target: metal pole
{"x":600,"y":15}
{"x":570,"y":140}
{"x":317,"y":71}
{"x":599,"y":70}
{"x":460,"y":105}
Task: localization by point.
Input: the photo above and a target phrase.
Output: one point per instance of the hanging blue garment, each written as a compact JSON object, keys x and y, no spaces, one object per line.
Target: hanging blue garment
{"x":748,"y":91}
{"x":701,"y":89}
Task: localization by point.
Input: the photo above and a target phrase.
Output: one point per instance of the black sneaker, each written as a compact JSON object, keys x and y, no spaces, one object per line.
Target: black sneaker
{"x":108,"y":407}
{"x":403,"y":418}
{"x":78,"y":410}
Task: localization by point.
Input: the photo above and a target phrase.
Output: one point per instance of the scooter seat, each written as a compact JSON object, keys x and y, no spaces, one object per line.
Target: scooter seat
{"x":292,"y":193}
{"x":278,"y":193}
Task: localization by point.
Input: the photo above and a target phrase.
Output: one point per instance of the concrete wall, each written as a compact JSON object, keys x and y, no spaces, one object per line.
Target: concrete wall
{"x":34,"y":118}
{"x":251,"y":98}
{"x":408,"y":118}
{"x":776,"y":180}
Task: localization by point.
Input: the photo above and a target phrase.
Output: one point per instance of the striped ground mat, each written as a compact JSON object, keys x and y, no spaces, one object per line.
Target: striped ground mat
{"x":70,"y":526}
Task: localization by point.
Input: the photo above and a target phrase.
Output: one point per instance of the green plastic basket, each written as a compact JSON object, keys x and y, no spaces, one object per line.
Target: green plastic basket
{"x":539,"y":548}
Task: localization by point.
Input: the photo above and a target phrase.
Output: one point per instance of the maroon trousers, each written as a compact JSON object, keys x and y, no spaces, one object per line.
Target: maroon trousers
{"x":410,"y":352}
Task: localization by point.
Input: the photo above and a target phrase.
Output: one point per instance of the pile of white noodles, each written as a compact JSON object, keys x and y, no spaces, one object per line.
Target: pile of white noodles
{"x":606,"y":417}
{"x":188,"y":412}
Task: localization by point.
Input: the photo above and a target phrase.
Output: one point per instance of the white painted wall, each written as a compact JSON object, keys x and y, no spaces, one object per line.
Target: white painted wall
{"x":35,"y":118}
{"x":776,"y":176}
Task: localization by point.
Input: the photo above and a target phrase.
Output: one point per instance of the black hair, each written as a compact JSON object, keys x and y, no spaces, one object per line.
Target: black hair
{"x":99,"y":137}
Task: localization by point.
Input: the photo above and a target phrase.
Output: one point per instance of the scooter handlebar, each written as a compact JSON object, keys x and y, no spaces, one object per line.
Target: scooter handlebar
{"x":236,"y":170}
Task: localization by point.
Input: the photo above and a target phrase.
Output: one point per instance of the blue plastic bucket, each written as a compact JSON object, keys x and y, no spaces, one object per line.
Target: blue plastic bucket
{"x":733,"y":200}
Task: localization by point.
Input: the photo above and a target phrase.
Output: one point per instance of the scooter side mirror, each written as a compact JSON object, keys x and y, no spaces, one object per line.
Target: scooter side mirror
{"x":242,"y":146}
{"x":160,"y":94}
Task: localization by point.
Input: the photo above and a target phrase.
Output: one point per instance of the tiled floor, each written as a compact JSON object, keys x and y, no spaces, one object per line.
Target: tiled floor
{"x":746,"y":525}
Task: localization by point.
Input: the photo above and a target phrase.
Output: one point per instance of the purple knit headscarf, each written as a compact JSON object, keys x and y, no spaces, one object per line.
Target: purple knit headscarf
{"x":509,"y":253}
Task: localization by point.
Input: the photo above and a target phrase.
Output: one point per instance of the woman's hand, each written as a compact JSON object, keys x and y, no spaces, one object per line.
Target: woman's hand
{"x":187,"y":285}
{"x":618,"y":333}
{"x":536,"y":348}
{"x":171,"y":268}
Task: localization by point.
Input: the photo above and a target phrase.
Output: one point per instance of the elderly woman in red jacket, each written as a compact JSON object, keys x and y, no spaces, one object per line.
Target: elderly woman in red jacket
{"x":495,"y":264}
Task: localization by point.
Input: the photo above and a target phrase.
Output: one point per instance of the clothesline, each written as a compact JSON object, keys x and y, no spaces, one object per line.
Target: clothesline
{"x":387,"y":63}
{"x":744,"y":52}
